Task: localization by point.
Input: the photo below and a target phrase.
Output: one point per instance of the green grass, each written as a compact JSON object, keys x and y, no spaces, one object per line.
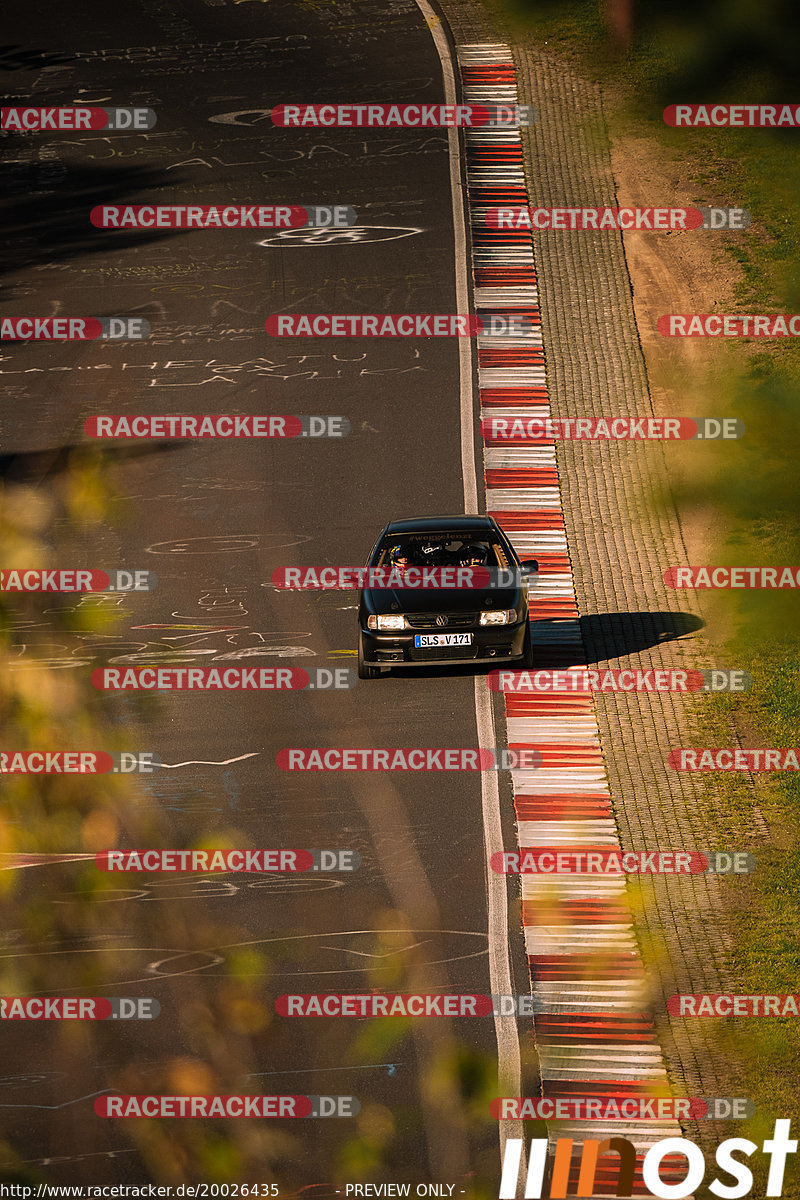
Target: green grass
{"x":695,"y":53}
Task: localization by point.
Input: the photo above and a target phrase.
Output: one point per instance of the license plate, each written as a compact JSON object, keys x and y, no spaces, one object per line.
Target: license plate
{"x":426,"y":641}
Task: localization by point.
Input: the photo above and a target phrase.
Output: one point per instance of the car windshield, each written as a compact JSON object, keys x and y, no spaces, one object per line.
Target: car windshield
{"x":440,"y":550}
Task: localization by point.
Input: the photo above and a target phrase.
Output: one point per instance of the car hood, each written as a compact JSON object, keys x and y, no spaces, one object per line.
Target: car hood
{"x":383,"y":600}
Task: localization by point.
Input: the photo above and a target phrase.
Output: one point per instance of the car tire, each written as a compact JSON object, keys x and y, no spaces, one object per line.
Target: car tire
{"x":527,"y":649}
{"x":365,"y":671}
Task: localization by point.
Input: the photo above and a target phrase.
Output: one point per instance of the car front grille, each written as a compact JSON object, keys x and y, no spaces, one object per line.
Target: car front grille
{"x":455,"y":620}
{"x":416,"y":654}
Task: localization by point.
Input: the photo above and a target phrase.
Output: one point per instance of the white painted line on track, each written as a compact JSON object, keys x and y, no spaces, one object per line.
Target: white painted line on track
{"x":211,"y":762}
{"x":509,"y":1069}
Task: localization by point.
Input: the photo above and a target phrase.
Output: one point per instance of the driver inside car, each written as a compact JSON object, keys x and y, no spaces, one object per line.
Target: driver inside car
{"x":473,"y":556}
{"x":400,"y":559}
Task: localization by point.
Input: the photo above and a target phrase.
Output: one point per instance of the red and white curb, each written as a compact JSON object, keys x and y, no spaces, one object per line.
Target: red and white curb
{"x":594,"y":1036}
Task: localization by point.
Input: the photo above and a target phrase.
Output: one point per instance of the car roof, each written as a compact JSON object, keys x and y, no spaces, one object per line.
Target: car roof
{"x":456,"y":524}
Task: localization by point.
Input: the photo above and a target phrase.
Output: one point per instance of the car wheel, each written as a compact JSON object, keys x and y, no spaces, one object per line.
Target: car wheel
{"x":527,"y":649}
{"x":365,"y":671}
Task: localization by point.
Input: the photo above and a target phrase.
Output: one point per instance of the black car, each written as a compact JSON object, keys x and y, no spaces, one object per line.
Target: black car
{"x":419,"y":626}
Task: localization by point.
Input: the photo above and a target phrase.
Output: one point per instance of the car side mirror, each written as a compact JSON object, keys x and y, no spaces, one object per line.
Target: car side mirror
{"x":530,"y":566}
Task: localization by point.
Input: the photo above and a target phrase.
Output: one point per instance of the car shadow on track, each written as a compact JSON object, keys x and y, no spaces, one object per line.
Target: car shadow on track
{"x":463,"y":671}
{"x":618,"y":634}
{"x":605,"y":636}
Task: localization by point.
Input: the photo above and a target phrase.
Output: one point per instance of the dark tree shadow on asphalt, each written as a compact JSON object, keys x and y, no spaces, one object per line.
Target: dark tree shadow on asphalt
{"x":46,"y":202}
{"x":53,"y":226}
{"x":16,"y":57}
{"x":33,"y":467}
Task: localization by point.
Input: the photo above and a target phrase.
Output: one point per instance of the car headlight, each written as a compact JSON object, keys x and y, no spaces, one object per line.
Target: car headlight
{"x":499,"y":616}
{"x":387,"y":622}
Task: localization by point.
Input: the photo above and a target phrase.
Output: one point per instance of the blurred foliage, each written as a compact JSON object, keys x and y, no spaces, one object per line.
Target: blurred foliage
{"x":721,"y":50}
{"x":59,"y":935}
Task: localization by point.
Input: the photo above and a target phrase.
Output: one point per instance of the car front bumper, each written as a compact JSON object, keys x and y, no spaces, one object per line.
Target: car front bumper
{"x":493,"y":643}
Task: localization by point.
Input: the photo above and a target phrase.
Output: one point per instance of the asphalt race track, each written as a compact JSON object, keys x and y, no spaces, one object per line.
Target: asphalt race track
{"x":214,"y":519}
